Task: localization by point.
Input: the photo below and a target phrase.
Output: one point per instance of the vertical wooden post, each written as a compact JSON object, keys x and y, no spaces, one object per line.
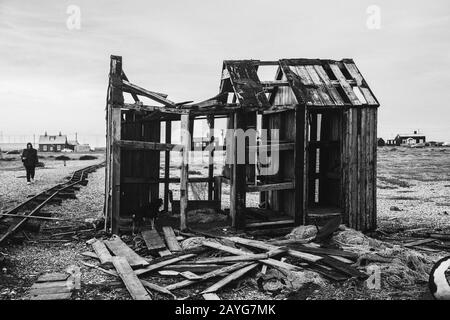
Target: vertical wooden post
{"x":211,"y":156}
{"x":239,"y":177}
{"x":186,"y":143}
{"x":115,"y":103}
{"x":167,"y":165}
{"x":301,"y":136}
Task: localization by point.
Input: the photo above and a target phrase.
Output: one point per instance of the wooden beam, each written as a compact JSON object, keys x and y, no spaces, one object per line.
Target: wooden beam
{"x":145,"y":145}
{"x":241,"y":258}
{"x":208,"y":275}
{"x":161,"y":264}
{"x":271,"y":262}
{"x":231,"y":277}
{"x":265,"y":246}
{"x":129,"y":278}
{"x":210,"y":120}
{"x":119,"y":248}
{"x":184,"y":175}
{"x":132,"y":88}
{"x":168,"y":139}
{"x":102,"y":253}
{"x":153,"y":240}
{"x":171,"y":239}
{"x":270,"y":186}
{"x":238,"y":187}
{"x":115,"y":98}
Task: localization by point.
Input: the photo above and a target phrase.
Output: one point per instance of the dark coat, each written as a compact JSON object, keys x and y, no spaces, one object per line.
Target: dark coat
{"x":29,"y":157}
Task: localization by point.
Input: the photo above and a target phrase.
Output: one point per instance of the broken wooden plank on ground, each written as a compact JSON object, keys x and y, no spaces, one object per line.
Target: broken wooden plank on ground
{"x":171,"y":239}
{"x":102,"y":253}
{"x":89,"y":254}
{"x":75,"y":273}
{"x":153,"y":240}
{"x":208,"y":275}
{"x":190,"y":275}
{"x":157,"y":288}
{"x":210,"y":296}
{"x":240,"y":258}
{"x":57,"y":287}
{"x":110,"y":272}
{"x":265,"y":246}
{"x":271,"y":262}
{"x":120,"y":249}
{"x":419,"y":242}
{"x":50,"y":277}
{"x":159,"y":265}
{"x":170,"y":273}
{"x":129,"y":278}
{"x":164,"y":253}
{"x":231,"y":277}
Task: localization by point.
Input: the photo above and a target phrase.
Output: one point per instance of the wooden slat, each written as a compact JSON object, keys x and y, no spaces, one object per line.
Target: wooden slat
{"x":265,"y":246}
{"x":271,"y":262}
{"x":344,"y":84}
{"x":120,"y":249}
{"x":153,"y":240}
{"x":184,"y":175}
{"x":156,"y":288}
{"x":129,"y":278}
{"x":208,"y":275}
{"x":102,"y":253}
{"x":271,"y":187}
{"x":190,"y":275}
{"x":171,"y":239}
{"x":210,"y":296}
{"x":129,"y":87}
{"x":58,"y":276}
{"x":231,"y":277}
{"x":326,"y":100}
{"x":332,"y":92}
{"x":159,"y":265}
{"x":145,"y":145}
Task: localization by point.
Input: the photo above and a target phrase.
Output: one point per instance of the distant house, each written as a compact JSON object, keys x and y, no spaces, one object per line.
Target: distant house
{"x":391,"y":142}
{"x":49,"y":143}
{"x":380,"y":142}
{"x":72,"y":144}
{"x":408,"y":139}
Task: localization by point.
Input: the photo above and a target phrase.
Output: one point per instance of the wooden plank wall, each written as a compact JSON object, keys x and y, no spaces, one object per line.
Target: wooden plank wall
{"x":143,"y":164}
{"x":282,"y":200}
{"x":358,"y":163}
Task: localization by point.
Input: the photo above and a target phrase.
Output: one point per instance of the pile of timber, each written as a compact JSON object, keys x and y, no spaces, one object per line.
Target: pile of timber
{"x":213,"y":265}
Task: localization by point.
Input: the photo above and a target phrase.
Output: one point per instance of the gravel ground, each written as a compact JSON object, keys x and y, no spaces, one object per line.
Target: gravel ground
{"x":417,"y":181}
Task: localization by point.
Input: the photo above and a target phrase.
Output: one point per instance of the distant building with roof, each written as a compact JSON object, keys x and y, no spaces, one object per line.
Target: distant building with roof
{"x":408,"y":139}
{"x":48,"y":143}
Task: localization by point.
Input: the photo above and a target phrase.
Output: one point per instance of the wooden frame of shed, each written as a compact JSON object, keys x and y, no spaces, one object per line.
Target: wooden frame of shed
{"x":326,"y":117}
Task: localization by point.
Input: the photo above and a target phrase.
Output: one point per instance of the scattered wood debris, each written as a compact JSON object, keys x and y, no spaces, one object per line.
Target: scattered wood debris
{"x":215,"y":263}
{"x":56,"y":286}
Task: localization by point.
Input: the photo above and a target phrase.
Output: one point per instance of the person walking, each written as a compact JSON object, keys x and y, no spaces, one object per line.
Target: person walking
{"x":30,"y":160}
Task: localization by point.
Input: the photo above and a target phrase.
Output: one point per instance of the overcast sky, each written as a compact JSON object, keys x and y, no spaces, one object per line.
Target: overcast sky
{"x":54,"y":78}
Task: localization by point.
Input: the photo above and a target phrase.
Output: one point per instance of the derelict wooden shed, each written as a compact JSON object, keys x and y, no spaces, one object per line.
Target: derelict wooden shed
{"x":326,"y":117}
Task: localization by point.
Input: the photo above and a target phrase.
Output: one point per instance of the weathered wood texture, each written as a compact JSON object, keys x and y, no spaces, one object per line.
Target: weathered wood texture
{"x":129,"y":278}
{"x":120,"y":249}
